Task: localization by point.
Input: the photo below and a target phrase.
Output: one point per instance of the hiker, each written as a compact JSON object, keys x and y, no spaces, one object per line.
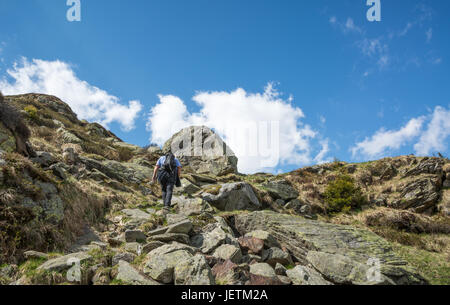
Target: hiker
{"x":168,"y":172}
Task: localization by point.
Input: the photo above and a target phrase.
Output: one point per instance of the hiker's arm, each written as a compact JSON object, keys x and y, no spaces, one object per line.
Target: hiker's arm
{"x":154,"y":173}
{"x":179,"y":172}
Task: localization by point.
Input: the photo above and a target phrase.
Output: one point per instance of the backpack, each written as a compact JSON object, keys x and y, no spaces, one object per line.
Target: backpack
{"x":168,"y":171}
{"x":169,"y":165}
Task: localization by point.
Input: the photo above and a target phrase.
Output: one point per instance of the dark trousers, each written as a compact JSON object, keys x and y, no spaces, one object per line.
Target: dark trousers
{"x":167,"y":190}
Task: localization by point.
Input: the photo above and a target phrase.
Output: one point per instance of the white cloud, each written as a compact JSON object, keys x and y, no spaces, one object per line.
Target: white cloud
{"x":238,"y":109}
{"x":384,"y":140}
{"x":57,"y":78}
{"x":347,"y":26}
{"x":435,"y":137}
{"x":321,"y":156}
{"x":405,"y":31}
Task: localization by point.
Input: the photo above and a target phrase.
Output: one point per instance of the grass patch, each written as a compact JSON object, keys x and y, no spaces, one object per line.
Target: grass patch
{"x":435,"y":267}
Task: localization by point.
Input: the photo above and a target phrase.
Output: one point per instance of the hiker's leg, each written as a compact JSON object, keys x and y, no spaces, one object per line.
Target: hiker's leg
{"x":169,"y":191}
{"x":164,"y":192}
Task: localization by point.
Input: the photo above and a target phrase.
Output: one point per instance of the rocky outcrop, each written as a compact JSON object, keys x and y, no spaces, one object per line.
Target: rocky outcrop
{"x":342,"y":254}
{"x":234,"y":196}
{"x":281,"y":189}
{"x":202,"y":150}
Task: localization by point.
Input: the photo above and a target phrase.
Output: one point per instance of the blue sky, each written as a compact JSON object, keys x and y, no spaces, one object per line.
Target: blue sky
{"x":365,"y":90}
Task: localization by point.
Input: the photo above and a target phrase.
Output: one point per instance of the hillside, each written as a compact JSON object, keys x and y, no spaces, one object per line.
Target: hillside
{"x":72,"y":191}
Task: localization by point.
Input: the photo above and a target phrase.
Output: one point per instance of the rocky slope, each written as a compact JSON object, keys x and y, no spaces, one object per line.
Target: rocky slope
{"x":76,"y":206}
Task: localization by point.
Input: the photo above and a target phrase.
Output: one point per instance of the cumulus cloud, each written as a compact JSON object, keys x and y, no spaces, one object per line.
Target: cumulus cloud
{"x":424,"y":141}
{"x":384,"y":140}
{"x":257,"y":126}
{"x":57,"y":78}
{"x":434,"y":139}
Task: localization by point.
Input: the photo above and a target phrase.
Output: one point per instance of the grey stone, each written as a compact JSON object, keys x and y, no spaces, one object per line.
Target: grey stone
{"x":269,"y":240}
{"x":207,"y":153}
{"x":160,"y":262}
{"x":193,"y":271}
{"x":134,"y":235}
{"x":124,"y":256}
{"x":281,"y":189}
{"x":301,"y":275}
{"x":275,"y":255}
{"x":64,"y":262}
{"x":280,"y":269}
{"x":234,"y":196}
{"x":129,"y":275}
{"x":262,"y":269}
{"x":341,"y":253}
{"x":35,"y":254}
{"x":230,"y":252}
{"x":169,"y":237}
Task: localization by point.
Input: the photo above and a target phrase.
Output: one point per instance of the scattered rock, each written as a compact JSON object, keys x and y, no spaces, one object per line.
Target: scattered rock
{"x":229,"y":252}
{"x":191,"y":206}
{"x":44,"y":158}
{"x":193,"y":271}
{"x":302,"y":275}
{"x":133,"y":247}
{"x":228,"y":273}
{"x":183,"y":227}
{"x":129,"y":275}
{"x":168,"y":237}
{"x":134,"y":236}
{"x":214,"y":236}
{"x":124,"y":256}
{"x":151,"y":246}
{"x":275,"y":255}
{"x":263,"y":274}
{"x":251,"y":244}
{"x":280,"y":269}
{"x":35,"y":254}
{"x":160,"y":262}
{"x":266,"y":237}
{"x":64,"y":262}
{"x":281,"y":189}
{"x":187,"y":187}
{"x":234,"y":196}
{"x":312,"y":242}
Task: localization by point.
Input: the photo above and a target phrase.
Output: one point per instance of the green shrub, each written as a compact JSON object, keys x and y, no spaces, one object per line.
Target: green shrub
{"x":31,"y":111}
{"x":342,"y":195}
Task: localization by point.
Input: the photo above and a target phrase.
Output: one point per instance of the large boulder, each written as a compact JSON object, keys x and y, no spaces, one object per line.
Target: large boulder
{"x":194,"y":271}
{"x":302,"y":275}
{"x":419,"y":195}
{"x":160,"y":263}
{"x":64,"y":262}
{"x":234,"y":196}
{"x":127,"y":274}
{"x":342,"y":254}
{"x":213,"y":236}
{"x":191,"y":206}
{"x":202,"y":150}
{"x":281,"y":189}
